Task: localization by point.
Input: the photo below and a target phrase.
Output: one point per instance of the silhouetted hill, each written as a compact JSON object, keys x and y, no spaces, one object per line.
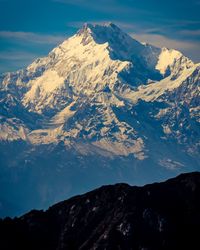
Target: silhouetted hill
{"x":154,"y":217}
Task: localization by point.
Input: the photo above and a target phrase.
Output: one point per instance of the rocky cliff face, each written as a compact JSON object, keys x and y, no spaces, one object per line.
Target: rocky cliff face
{"x":157,"y":216}
{"x":100,"y":105}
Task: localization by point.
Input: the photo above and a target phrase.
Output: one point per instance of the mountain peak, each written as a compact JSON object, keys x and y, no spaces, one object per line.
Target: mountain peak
{"x":102,"y":31}
{"x":119,"y":42}
{"x":100,"y":25}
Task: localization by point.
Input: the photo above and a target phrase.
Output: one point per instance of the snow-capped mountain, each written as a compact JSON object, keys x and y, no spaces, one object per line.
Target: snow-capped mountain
{"x":101,"y":96}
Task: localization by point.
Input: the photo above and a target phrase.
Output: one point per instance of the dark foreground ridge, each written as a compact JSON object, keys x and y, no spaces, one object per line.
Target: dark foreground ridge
{"x":154,"y":217}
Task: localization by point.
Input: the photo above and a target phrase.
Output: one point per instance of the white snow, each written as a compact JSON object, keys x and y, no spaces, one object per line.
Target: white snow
{"x":42,"y":86}
{"x":64,"y":115}
{"x":166,"y":59}
{"x":153,"y":91}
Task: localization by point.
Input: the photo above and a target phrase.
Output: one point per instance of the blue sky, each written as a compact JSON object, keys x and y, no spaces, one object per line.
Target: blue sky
{"x":31,"y":28}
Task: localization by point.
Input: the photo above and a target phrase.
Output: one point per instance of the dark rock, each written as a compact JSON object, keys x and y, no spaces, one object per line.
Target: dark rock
{"x":154,"y":217}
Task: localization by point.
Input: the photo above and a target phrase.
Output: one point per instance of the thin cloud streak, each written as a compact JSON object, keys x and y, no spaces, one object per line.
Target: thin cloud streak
{"x":190,"y":32}
{"x":104,"y":6}
{"x":31,"y":37}
{"x":13,"y":60}
{"x":125,"y":26}
{"x":186,"y":47}
{"x":162,"y":41}
{"x":17,"y":55}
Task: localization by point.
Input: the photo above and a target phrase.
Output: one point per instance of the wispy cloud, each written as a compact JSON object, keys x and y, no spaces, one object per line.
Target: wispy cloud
{"x":75,"y":2}
{"x":161,"y":41}
{"x":190,"y":32}
{"x":16,"y":55}
{"x":104,"y":6}
{"x":123,"y":25}
{"x":79,"y":24}
{"x":164,"y":27}
{"x":189,"y":48}
{"x":31,"y":37}
{"x":14,"y":59}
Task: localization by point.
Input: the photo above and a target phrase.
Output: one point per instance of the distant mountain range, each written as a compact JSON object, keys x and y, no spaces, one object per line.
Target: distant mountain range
{"x":101,"y":108}
{"x":164,"y":216}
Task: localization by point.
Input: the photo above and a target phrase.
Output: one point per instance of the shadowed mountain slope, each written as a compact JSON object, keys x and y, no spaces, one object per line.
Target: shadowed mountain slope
{"x":157,"y":216}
